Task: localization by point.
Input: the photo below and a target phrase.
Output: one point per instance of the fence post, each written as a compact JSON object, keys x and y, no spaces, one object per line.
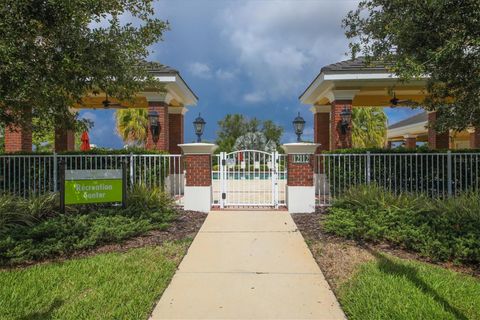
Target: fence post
{"x":132,"y":170}
{"x":221,"y":177}
{"x":55,"y":172}
{"x":449,"y":173}
{"x":367,"y":167}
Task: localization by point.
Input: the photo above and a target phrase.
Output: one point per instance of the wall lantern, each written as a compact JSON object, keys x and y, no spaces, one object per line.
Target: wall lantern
{"x":346,"y":115}
{"x":154,"y":124}
{"x":199,"y":126}
{"x":298,"y":126}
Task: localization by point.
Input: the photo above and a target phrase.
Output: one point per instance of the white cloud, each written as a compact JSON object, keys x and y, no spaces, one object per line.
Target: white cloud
{"x":281,"y":45}
{"x":201,"y":70}
{"x":89,"y":116}
{"x":224,"y":74}
{"x":254,"y":97}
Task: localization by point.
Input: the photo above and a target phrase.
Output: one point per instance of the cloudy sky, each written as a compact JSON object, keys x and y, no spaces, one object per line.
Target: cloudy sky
{"x":251,"y":57}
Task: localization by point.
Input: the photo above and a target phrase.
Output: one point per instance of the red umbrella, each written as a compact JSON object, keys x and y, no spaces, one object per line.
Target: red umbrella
{"x":85,"y":141}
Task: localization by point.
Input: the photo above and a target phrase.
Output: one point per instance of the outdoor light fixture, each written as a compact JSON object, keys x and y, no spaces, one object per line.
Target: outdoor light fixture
{"x":199,"y":125}
{"x":346,"y":115}
{"x":154,"y":124}
{"x":298,"y":126}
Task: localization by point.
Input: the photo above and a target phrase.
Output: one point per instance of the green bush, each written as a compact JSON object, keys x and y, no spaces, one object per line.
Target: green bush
{"x":441,"y":229}
{"x":35,"y":229}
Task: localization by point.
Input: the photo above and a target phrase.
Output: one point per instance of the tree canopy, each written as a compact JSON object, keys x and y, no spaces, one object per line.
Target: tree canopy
{"x":369,"y":127}
{"x":53,"y":52}
{"x":234,"y":126}
{"x":438,"y":39}
{"x":132,"y":126}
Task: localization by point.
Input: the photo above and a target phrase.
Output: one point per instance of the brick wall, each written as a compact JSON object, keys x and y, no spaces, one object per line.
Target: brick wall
{"x":299,"y":174}
{"x":475,"y":139}
{"x":162,"y":141}
{"x":175,"y":132}
{"x":19,"y":138}
{"x":339,"y":140}
{"x":198,"y":170}
{"x":321,"y":125}
{"x":410,"y":142}
{"x":436,"y":140}
{"x":64,"y":140}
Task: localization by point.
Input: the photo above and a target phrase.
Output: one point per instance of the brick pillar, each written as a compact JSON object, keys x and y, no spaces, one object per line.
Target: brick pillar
{"x":474,"y":138}
{"x":162,"y":141}
{"x":321,"y":127}
{"x":300,"y":174}
{"x":199,"y":170}
{"x":338,"y":140}
{"x":389,"y":145}
{"x":410,"y":141}
{"x":436,"y":140}
{"x":198,"y":180}
{"x":19,"y":138}
{"x":175,"y":132}
{"x":300,"y":177}
{"x":64,"y":139}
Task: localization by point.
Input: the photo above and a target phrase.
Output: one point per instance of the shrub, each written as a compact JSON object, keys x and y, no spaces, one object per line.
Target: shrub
{"x":34,"y":229}
{"x":441,"y":229}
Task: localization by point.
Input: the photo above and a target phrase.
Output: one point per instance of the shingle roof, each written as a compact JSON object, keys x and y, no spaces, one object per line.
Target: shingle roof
{"x":418,"y":118}
{"x":357,"y":65}
{"x":157,"y":68}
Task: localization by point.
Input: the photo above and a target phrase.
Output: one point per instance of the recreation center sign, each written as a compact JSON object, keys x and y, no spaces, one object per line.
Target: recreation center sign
{"x":93,"y":186}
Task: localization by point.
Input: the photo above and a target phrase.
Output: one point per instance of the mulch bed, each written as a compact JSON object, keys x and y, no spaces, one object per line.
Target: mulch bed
{"x":185,"y":225}
{"x":338,"y":257}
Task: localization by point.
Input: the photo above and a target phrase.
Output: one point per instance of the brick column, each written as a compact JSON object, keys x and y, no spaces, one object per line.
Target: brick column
{"x":198,"y":180}
{"x":436,"y":140}
{"x":410,"y":141}
{"x":389,"y":145}
{"x":338,"y":140}
{"x":175,"y":129}
{"x":474,"y":138}
{"x":19,"y":138}
{"x":321,"y":127}
{"x":300,"y":177}
{"x":64,"y":139}
{"x":162,"y":141}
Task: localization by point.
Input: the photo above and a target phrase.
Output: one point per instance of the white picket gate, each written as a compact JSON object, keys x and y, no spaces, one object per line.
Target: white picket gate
{"x":250,"y":178}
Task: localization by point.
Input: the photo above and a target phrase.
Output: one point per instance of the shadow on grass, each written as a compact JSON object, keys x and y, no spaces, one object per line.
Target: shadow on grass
{"x":45,"y":315}
{"x":389,"y":266}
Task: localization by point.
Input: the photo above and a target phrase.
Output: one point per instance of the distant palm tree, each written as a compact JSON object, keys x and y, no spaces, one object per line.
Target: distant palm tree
{"x":132,"y":126}
{"x":369,"y":127}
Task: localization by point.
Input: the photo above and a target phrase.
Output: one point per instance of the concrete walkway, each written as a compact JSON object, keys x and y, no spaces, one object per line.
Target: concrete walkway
{"x":248,"y":265}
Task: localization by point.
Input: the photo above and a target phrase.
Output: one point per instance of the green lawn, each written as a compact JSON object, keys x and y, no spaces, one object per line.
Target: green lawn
{"x":391,"y":288}
{"x":105,"y":286}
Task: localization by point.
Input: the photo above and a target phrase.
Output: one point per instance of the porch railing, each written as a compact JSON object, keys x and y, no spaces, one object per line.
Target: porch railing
{"x":432,"y":174}
{"x":33,"y":175}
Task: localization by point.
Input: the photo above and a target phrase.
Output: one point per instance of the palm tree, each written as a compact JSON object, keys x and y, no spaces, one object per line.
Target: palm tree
{"x":132,"y":125}
{"x":369,"y":127}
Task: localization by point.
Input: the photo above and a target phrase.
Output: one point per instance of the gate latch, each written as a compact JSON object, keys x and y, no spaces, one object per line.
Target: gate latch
{"x":224,"y":196}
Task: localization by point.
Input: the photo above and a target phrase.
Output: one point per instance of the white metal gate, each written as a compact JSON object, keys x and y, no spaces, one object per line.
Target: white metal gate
{"x":250,"y":178}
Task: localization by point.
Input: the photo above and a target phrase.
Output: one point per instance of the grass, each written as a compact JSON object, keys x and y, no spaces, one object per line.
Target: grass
{"x":391,"y":288}
{"x":105,"y":286}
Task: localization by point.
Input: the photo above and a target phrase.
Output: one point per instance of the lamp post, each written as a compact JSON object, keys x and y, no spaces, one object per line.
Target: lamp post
{"x":298,"y":126}
{"x":199,"y":126}
{"x":154,"y":124}
{"x":346,"y":115}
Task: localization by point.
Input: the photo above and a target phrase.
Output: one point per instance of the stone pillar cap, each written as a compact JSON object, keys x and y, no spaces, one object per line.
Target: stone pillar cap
{"x":300,"y":148}
{"x":198,"y":148}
